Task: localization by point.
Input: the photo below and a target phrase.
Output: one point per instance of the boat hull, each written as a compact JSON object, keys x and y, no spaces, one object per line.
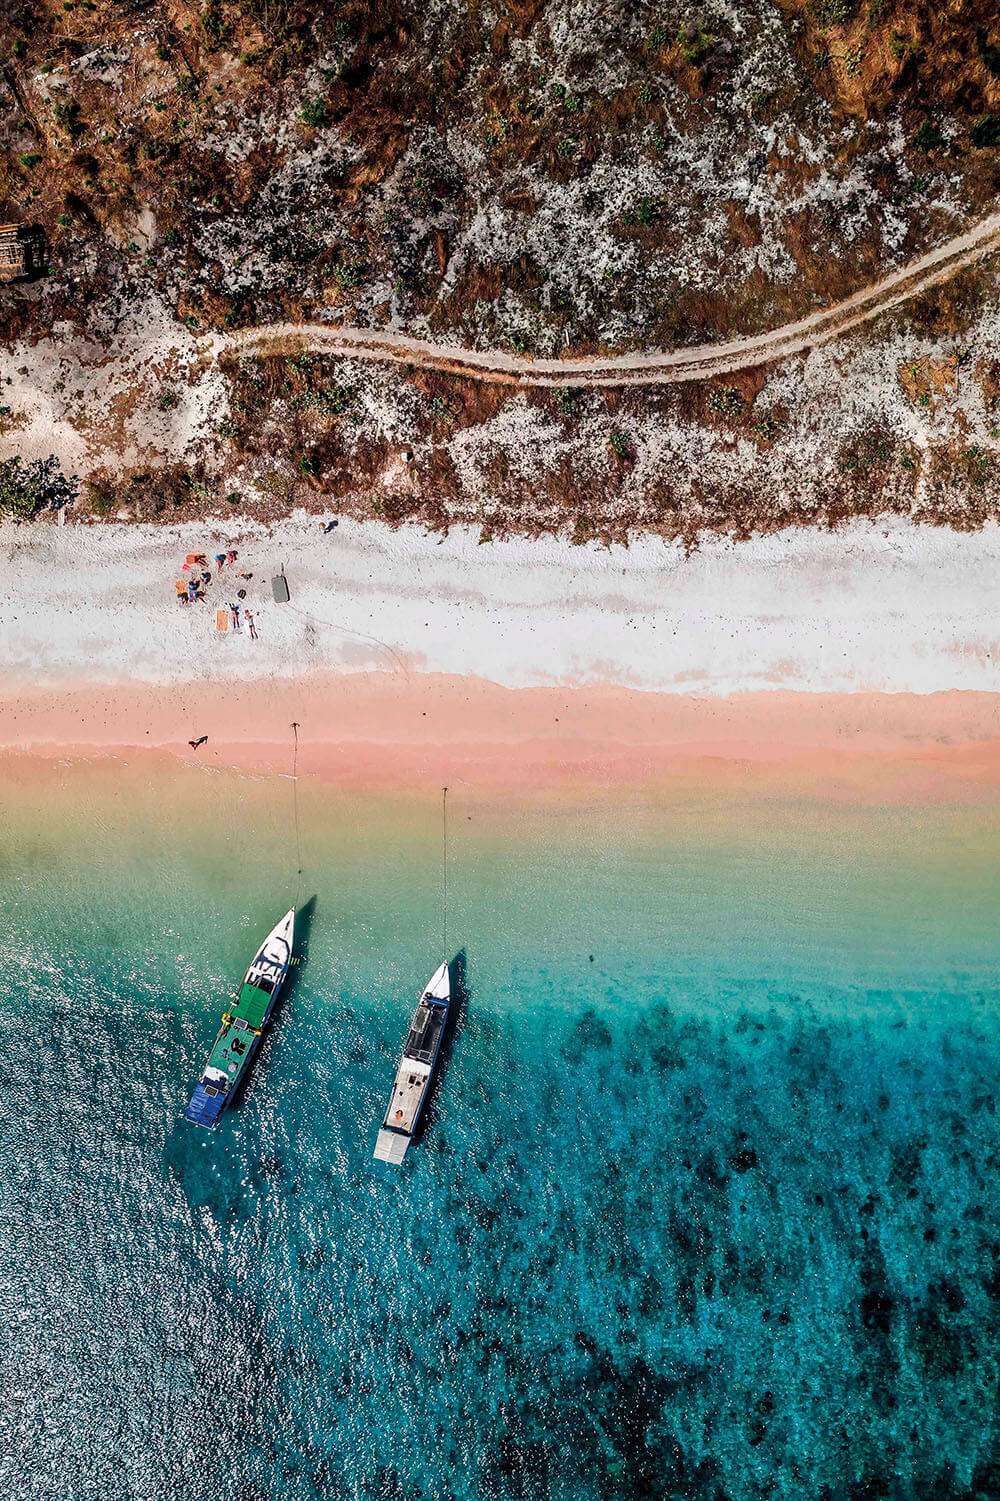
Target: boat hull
{"x":415,"y":1073}
{"x":243,"y":1025}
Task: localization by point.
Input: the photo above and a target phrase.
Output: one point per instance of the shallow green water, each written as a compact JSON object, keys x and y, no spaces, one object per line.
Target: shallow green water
{"x":713,"y":1214}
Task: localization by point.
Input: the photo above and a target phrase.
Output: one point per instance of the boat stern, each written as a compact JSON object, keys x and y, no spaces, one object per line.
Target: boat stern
{"x":206,"y":1104}
{"x":390,"y":1146}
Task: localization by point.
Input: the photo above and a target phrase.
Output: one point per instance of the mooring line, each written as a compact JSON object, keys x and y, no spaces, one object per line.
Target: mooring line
{"x":444,"y":863}
{"x":295,"y":807}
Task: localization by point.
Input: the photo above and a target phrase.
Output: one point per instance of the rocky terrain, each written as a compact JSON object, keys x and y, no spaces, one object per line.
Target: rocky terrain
{"x":541,"y":178}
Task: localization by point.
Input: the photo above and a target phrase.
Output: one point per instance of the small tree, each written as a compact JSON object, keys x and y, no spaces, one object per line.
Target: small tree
{"x":27,"y":489}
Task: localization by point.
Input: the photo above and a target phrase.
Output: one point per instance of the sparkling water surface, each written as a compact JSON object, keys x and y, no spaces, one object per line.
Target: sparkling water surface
{"x":706,"y":1206}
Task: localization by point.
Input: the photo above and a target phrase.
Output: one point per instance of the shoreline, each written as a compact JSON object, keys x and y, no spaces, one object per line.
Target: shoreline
{"x":372,"y":731}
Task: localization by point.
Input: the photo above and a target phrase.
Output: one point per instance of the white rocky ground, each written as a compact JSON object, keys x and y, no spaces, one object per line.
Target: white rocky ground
{"x":158,"y":396}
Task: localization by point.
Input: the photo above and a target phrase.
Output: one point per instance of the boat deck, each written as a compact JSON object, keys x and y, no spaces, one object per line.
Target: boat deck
{"x":407,"y":1095}
{"x":231,"y":1048}
{"x":391,"y":1147}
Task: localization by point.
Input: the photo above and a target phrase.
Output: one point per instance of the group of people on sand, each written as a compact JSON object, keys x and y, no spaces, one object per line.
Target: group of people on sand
{"x":194,"y":588}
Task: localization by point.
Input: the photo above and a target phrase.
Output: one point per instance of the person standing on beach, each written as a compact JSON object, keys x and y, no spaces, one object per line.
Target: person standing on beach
{"x":250,"y":625}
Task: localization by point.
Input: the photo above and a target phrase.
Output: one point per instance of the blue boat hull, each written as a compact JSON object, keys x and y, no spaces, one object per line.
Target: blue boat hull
{"x":205,"y":1109}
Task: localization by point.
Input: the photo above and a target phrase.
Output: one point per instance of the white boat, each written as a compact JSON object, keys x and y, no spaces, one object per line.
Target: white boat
{"x":416,"y":1068}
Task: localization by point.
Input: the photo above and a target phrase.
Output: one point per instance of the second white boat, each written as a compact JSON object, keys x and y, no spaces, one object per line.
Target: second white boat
{"x":416,"y":1069}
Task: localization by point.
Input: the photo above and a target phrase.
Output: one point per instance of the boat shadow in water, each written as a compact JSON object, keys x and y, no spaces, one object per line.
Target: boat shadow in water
{"x":457,"y":974}
{"x":300,"y":951}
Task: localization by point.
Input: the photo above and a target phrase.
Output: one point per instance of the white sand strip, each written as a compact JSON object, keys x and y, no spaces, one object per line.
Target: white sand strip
{"x":892,"y":608}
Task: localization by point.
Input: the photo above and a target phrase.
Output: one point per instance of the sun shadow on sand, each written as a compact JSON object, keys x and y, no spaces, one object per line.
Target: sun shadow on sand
{"x":458,"y":972}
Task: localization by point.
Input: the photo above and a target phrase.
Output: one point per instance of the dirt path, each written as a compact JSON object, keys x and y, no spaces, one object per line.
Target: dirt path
{"x":628,"y":369}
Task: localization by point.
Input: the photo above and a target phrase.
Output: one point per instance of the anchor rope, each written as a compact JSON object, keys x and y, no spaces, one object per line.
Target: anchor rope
{"x":444,"y":863}
{"x":346,"y":630}
{"x":295,"y":808}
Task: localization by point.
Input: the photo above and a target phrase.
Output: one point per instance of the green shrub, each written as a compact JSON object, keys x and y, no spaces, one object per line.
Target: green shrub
{"x":767,"y":427}
{"x":645,"y":213}
{"x":213,"y":25}
{"x":986,"y":132}
{"x":67,"y":114}
{"x":928,"y":137}
{"x":332,"y":401}
{"x":695,"y":44}
{"x":348,"y":275}
{"x":726,"y":401}
{"x":978,"y":464}
{"x":27,"y":489}
{"x":313,"y":112}
{"x":441,"y":409}
{"x":100,"y":499}
{"x":831,"y":12}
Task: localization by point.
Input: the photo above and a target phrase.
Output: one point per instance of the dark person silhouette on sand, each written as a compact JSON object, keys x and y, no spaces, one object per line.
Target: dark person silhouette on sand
{"x":194,"y":744}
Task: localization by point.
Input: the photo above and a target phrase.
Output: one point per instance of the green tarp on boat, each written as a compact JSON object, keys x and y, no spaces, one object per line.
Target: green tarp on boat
{"x":251,"y":1004}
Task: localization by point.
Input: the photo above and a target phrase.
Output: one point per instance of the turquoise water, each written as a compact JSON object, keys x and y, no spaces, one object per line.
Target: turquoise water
{"x":714,"y":1214}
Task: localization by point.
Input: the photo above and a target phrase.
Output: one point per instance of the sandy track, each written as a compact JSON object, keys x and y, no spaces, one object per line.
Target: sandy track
{"x":662,"y":368}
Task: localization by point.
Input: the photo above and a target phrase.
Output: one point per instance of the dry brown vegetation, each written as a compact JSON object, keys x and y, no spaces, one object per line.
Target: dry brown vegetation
{"x":529,"y":174}
{"x":119,"y":110}
{"x":295,"y":428}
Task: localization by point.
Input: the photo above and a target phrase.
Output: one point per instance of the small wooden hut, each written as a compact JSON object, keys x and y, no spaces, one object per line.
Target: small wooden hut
{"x":22,"y":252}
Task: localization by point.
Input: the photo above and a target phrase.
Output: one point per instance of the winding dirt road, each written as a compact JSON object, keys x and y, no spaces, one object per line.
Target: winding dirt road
{"x":662,"y":368}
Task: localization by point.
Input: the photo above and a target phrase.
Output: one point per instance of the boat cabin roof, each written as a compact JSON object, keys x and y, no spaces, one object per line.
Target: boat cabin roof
{"x":251,"y":1004}
{"x":425,"y":1033}
{"x":407,"y":1096}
